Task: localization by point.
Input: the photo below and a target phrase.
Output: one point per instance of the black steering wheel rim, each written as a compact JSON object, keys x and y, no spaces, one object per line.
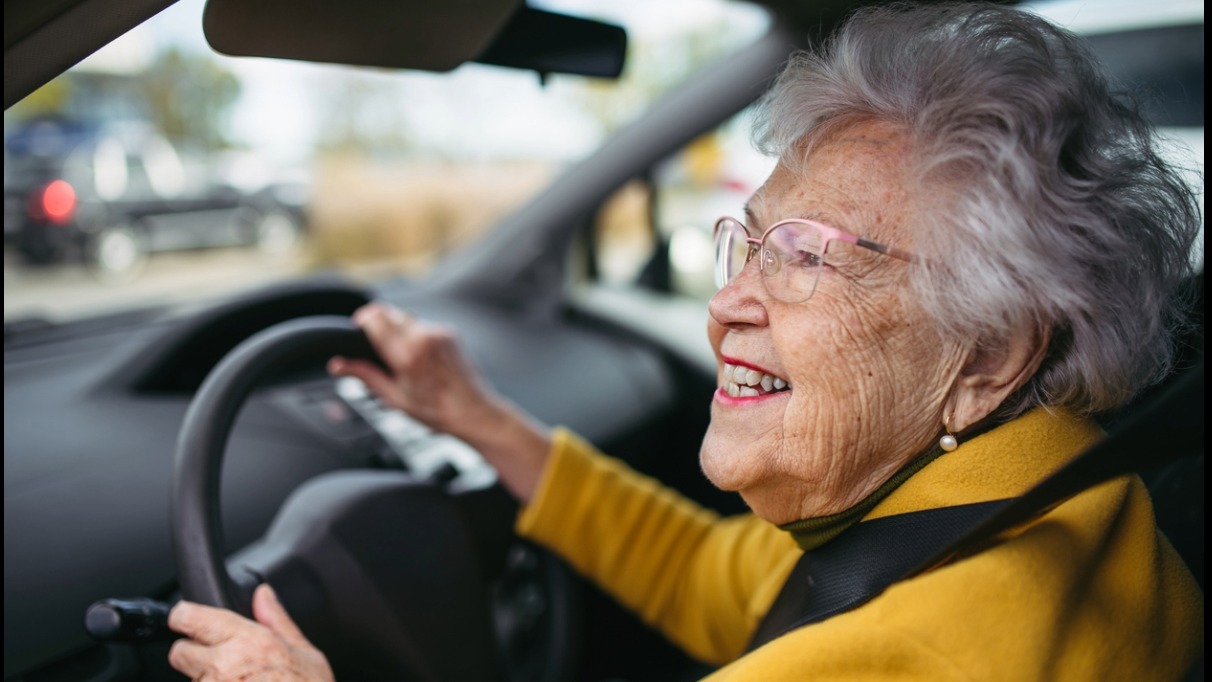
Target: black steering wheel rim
{"x":197,"y":527}
{"x":548,"y":651}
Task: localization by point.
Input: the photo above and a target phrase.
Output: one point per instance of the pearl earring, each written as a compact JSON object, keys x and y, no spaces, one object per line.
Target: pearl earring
{"x":948,"y":441}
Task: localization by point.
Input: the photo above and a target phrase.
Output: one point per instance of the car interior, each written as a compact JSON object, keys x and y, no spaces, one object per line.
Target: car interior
{"x":197,"y":449}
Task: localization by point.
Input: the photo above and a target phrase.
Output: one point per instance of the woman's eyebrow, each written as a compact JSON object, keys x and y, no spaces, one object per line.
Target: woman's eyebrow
{"x":750,"y":218}
{"x":823,"y":217}
{"x":847,"y":224}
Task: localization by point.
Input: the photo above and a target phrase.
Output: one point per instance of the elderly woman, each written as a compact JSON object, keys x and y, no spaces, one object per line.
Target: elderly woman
{"x":968,"y":248}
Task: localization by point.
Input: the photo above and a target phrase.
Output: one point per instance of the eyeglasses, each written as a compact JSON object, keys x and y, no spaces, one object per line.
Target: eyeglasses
{"x":792,"y":253}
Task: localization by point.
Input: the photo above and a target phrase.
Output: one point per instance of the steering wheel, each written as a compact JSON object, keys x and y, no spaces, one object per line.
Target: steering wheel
{"x":391,"y":576}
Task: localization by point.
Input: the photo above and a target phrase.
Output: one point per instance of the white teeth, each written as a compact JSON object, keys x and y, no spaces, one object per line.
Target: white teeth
{"x":739,"y":381}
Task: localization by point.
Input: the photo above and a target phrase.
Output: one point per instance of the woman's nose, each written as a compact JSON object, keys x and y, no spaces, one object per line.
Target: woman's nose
{"x":742,"y":301}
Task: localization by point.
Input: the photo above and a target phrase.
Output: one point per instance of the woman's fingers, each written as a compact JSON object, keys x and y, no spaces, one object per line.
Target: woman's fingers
{"x":189,"y":658}
{"x":427,"y":374}
{"x":224,"y":646}
{"x":379,"y":382}
{"x":431,"y":379}
{"x":391,"y":332}
{"x":213,"y":636}
{"x":204,"y":624}
{"x":387,"y":329}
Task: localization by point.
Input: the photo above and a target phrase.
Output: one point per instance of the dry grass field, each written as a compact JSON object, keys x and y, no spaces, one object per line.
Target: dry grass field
{"x":410,"y":214}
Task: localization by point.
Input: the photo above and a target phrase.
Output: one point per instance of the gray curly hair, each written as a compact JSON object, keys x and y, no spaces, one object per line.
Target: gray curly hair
{"x":1062,"y":212}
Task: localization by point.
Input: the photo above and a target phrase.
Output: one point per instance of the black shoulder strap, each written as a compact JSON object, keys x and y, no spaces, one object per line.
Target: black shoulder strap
{"x":863,"y":561}
{"x":841,"y":574}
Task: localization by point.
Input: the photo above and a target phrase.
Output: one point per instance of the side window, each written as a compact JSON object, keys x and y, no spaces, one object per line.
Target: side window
{"x":663,"y":222}
{"x":1156,"y":51}
{"x":624,"y":239}
{"x":1165,"y":65}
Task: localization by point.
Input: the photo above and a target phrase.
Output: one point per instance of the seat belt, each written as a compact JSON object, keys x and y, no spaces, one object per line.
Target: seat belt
{"x":862,"y":562}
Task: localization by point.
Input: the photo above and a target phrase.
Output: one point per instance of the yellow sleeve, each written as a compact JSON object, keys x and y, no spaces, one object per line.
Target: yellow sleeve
{"x":702,"y":580}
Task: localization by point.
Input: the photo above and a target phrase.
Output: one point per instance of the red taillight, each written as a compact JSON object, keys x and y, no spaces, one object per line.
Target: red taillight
{"x":55,"y":203}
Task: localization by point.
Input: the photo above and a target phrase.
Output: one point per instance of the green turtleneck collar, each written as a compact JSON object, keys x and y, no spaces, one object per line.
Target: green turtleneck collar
{"x":812,"y":533}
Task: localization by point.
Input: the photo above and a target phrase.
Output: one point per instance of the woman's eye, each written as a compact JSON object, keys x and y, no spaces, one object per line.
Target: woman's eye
{"x":807,"y":259}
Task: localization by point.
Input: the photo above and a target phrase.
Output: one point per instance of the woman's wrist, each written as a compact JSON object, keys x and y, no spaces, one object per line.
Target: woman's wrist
{"x":513,"y":442}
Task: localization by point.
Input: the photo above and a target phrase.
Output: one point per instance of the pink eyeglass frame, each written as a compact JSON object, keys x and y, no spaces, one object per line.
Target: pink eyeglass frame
{"x":829,"y":234}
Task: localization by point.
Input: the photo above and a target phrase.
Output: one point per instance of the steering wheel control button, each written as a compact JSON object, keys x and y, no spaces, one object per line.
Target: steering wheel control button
{"x":322,"y":410}
{"x":444,"y":473}
{"x":434,"y":457}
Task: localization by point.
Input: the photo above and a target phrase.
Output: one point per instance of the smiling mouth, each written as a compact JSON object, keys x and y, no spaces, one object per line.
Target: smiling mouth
{"x":744,"y":382}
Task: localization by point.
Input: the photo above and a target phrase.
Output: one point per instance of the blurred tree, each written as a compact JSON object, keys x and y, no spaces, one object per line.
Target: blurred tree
{"x":189,"y":97}
{"x":46,"y":101}
{"x":358,"y":113}
{"x":186,"y":97}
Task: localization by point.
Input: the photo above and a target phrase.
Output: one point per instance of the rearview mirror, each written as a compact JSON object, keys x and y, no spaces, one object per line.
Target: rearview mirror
{"x":555,"y":43}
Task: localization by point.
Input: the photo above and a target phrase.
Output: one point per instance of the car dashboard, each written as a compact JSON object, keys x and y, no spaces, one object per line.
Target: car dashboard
{"x":93,"y":410}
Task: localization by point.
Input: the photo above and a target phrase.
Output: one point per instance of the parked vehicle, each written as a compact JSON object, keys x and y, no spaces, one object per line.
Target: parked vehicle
{"x":110,"y":194}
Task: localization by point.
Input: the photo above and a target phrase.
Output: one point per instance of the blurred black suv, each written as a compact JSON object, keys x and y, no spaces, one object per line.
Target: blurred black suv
{"x":109,"y":194}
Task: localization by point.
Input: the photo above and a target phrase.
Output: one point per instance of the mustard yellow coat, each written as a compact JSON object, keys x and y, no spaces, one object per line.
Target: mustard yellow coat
{"x":1089,"y":591}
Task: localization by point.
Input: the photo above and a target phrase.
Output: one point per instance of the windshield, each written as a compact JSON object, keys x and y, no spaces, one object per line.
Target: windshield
{"x":157,"y":171}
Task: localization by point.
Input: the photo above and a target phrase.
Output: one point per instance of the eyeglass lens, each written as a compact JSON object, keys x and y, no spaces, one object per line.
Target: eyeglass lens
{"x":789,"y":258}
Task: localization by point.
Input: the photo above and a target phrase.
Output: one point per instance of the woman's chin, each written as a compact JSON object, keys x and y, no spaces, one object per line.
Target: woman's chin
{"x":772,"y":503}
{"x":740,"y":445}
{"x":724,"y":464}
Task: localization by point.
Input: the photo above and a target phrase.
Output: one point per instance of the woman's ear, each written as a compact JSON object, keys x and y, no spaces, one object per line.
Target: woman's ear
{"x":995,"y":369}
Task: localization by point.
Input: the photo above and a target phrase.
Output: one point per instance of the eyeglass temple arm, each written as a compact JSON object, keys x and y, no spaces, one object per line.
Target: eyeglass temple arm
{"x":888,"y":250}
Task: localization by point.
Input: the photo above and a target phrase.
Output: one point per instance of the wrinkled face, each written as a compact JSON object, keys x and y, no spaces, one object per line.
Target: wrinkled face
{"x":850,"y":384}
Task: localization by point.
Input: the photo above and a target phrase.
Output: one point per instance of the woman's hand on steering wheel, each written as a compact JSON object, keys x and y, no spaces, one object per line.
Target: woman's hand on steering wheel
{"x":426,"y":374}
{"x":223,"y":645}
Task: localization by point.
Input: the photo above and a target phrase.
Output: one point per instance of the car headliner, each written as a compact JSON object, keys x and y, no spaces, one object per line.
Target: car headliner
{"x":43,"y":38}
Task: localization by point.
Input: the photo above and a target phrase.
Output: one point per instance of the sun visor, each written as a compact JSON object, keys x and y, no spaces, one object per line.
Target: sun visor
{"x":434,"y":35}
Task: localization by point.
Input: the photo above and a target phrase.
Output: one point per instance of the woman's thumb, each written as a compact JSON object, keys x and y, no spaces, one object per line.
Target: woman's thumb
{"x":269,"y":612}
